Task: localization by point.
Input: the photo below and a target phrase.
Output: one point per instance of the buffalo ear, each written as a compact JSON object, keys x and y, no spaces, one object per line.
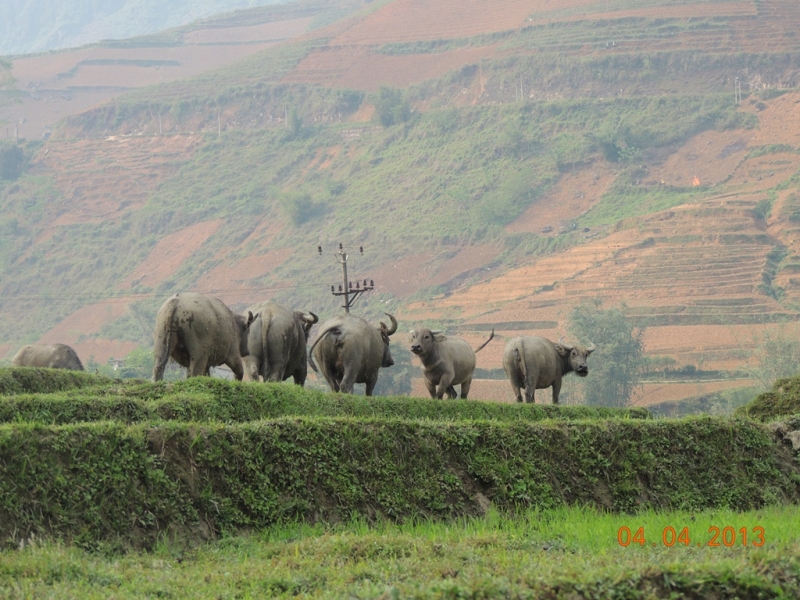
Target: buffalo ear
{"x":562,"y":350}
{"x":250,"y":318}
{"x":412,"y":334}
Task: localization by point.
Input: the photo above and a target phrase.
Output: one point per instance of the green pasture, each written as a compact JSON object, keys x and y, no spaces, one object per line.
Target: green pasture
{"x":561,"y":553}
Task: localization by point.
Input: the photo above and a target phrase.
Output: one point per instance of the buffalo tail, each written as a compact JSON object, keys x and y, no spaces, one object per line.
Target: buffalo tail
{"x":483,"y":345}
{"x":320,"y":335}
{"x":162,"y":342}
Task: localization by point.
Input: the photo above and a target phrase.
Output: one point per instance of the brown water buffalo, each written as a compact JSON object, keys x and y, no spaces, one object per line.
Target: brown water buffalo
{"x":54,"y":356}
{"x":446,"y":362}
{"x":277,"y":343}
{"x":199,"y":332}
{"x":350,"y":350}
{"x":535,"y":363}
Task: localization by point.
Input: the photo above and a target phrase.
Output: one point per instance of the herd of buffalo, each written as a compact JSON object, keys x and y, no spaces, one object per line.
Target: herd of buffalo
{"x":269,"y":342}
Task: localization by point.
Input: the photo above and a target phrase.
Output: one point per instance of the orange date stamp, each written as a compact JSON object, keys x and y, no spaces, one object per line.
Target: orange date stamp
{"x":716,"y":536}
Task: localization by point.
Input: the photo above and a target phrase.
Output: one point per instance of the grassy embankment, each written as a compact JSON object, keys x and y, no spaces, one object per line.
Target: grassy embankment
{"x":335,"y":496}
{"x":113,"y":464}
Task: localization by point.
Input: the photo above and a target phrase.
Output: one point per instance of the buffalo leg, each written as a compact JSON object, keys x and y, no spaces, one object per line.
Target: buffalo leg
{"x":370,"y":385}
{"x":516,"y":383}
{"x":444,"y":383}
{"x":300,"y":375}
{"x":451,"y":393}
{"x":556,"y":391}
{"x":236,"y":367}
{"x":348,"y":380}
{"x":431,"y":387}
{"x":465,"y":385}
{"x":197,"y":367}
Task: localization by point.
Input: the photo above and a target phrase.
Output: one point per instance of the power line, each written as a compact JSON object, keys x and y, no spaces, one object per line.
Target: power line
{"x":132,"y":297}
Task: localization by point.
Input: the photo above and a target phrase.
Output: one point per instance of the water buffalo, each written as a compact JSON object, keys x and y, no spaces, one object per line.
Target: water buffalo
{"x":277,"y":343}
{"x":350,"y":350}
{"x":199,"y":332}
{"x":446,"y":362}
{"x":55,"y":356}
{"x":535,"y":363}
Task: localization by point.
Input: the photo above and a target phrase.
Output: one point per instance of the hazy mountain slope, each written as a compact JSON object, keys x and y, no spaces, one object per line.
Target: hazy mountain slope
{"x":38,"y":25}
{"x":527,"y":171}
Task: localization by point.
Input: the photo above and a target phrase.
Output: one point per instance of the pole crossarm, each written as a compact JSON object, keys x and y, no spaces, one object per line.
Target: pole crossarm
{"x":350,"y":292}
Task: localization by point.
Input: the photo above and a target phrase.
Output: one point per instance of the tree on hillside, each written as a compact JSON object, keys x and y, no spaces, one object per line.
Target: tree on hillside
{"x":615,"y":367}
{"x":391,"y":106}
{"x":12,"y":160}
{"x":776,"y":356}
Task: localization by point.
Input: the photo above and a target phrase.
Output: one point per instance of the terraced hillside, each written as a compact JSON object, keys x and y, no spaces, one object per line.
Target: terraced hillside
{"x":53,"y":85}
{"x":536,"y":156}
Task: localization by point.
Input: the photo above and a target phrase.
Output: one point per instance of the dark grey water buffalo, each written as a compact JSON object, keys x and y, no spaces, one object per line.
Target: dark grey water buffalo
{"x":535,"y":363}
{"x":277,"y":343}
{"x":350,"y":350}
{"x":446,"y":362}
{"x":54,"y":356}
{"x":199,"y":332}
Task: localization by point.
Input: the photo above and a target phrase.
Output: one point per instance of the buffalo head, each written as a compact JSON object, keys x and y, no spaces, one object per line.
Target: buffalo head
{"x":386,"y":332}
{"x":422,"y":340}
{"x":577,"y":356}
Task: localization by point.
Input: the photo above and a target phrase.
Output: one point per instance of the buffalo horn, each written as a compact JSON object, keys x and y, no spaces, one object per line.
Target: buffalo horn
{"x":563,"y":343}
{"x":314,"y":318}
{"x":591,"y":347}
{"x":394,"y":324}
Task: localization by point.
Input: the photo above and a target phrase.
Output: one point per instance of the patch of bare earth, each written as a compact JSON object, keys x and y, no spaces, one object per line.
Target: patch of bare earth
{"x":573,"y":195}
{"x":444,"y":19}
{"x":361,"y":68}
{"x":656,"y":393}
{"x":170,"y":253}
{"x":410,"y":273}
{"x":103,"y":179}
{"x":238,"y":280}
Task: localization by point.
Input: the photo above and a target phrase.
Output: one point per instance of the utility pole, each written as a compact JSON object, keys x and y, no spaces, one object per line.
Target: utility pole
{"x":737,"y":90}
{"x":346,"y":289}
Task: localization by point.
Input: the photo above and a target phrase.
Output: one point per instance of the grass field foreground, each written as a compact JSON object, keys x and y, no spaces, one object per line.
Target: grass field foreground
{"x":562,"y":553}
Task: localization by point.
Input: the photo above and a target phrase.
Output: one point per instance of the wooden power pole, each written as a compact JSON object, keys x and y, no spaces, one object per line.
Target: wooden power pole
{"x":346,"y":288}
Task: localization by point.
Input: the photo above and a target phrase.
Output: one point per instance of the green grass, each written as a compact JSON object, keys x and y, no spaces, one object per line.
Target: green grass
{"x":783,"y":400}
{"x":558,"y":554}
{"x":62,"y":397}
